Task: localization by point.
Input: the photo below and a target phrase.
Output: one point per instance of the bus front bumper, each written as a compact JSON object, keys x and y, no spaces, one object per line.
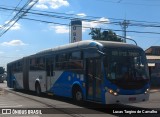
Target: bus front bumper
{"x":112,"y":99}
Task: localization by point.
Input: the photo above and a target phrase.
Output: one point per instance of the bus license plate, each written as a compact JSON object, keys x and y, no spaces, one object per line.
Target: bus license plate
{"x":132,"y":98}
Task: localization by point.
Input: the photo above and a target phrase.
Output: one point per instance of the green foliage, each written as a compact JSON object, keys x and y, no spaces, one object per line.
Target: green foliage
{"x":105,"y":35}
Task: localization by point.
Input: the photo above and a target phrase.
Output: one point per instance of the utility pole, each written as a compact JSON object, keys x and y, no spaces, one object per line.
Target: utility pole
{"x":124,"y":26}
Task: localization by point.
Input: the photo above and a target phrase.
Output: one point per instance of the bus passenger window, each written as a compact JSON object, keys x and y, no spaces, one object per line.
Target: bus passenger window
{"x":113,"y":70}
{"x":48,"y":70}
{"x":76,"y":55}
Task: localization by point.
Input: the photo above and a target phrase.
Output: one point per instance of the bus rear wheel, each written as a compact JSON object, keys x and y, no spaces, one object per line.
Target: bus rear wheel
{"x":38,"y":89}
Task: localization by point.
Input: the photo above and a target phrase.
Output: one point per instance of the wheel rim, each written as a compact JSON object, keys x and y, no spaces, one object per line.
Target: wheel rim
{"x":78,"y":96}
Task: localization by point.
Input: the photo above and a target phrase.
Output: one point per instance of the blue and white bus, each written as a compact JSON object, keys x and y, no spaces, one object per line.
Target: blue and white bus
{"x":100,"y":71}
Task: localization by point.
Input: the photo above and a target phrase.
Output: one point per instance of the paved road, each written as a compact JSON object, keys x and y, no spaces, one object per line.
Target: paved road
{"x":64,"y":107}
{"x":49,"y":106}
{"x":154,"y":100}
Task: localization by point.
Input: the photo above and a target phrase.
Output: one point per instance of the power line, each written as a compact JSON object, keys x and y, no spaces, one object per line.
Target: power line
{"x":6,"y":8}
{"x":129,"y":3}
{"x":14,"y":9}
{"x":51,"y":22}
{"x":43,"y":21}
{"x":19,"y":15}
{"x":63,"y":16}
{"x":94,"y":21}
{"x":17,"y":5}
{"x":82,"y":26}
{"x":91,"y":18}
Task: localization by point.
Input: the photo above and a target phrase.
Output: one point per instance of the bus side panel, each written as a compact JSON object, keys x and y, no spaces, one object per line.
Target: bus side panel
{"x":52,"y":82}
{"x":63,"y":85}
{"x":18,"y":80}
{"x":37,"y":75}
{"x":10,"y":79}
{"x":14,"y":77}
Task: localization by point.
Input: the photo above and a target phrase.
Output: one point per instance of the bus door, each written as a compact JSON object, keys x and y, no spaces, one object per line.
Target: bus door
{"x":94,"y":79}
{"x":49,"y":72}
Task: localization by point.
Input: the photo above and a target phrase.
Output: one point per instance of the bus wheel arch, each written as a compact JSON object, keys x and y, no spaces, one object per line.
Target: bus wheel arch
{"x":38,"y":88}
{"x":77,"y":94}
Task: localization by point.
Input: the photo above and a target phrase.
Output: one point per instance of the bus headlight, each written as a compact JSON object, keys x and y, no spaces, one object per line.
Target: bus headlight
{"x":112,"y":92}
{"x":147,"y":91}
{"x":115,"y":94}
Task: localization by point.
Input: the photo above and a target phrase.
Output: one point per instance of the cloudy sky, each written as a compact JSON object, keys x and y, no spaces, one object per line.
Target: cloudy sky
{"x":52,"y":17}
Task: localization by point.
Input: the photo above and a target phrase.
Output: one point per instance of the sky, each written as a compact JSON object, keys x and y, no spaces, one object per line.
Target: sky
{"x":27,"y":37}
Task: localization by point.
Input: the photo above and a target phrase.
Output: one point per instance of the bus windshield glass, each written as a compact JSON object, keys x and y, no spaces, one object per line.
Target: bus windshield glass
{"x":126,"y":67}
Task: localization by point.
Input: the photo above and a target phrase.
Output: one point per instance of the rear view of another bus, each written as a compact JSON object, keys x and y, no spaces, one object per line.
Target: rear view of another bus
{"x":126,"y":74}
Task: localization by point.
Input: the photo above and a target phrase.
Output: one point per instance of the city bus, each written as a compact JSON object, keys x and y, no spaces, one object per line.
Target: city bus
{"x":99,"y":71}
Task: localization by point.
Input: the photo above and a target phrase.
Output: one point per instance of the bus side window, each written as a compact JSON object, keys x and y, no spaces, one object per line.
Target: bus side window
{"x":76,"y":61}
{"x":32,"y":64}
{"x":52,"y":68}
{"x":107,"y":67}
{"x":113,"y":70}
{"x":76,"y":55}
{"x":57,"y":62}
{"x":49,"y":66}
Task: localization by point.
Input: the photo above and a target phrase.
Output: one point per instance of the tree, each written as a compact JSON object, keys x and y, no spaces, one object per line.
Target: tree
{"x":96,"y":33}
{"x":105,"y":35}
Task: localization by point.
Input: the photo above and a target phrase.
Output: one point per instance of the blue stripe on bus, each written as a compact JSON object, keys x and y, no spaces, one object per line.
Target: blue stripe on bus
{"x":63,"y":86}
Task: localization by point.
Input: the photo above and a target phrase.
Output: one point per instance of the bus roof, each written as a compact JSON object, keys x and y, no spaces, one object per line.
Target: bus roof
{"x":111,"y":44}
{"x":89,"y":43}
{"x":83,"y":45}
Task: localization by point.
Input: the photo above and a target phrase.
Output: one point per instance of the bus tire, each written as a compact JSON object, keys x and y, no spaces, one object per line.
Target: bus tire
{"x":38,"y":89}
{"x":77,"y":94}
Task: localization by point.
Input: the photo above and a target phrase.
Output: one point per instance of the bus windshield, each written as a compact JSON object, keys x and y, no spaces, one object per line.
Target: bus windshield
{"x":126,"y":67}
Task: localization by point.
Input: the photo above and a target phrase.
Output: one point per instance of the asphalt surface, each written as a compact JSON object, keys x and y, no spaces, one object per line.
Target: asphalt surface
{"x":64,"y":107}
{"x":50,"y":106}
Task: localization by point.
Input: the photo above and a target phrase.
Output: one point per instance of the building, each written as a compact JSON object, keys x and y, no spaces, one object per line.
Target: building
{"x":153,"y":58}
